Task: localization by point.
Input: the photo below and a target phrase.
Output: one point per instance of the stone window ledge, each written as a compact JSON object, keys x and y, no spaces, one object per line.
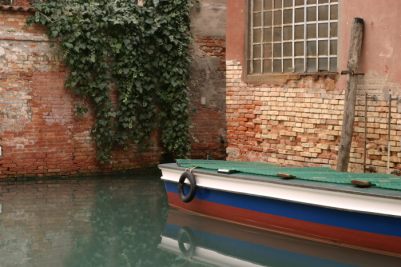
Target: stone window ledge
{"x":283,"y":78}
{"x":16,"y":8}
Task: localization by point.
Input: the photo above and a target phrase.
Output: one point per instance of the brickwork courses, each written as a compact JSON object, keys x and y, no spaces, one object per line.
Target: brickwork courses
{"x":299,"y":123}
{"x":40,"y":134}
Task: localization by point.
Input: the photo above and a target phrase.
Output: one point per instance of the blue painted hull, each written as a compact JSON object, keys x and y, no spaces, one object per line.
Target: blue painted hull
{"x":362,"y":230}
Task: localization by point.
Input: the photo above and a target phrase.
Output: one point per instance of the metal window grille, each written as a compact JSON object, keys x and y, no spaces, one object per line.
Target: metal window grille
{"x":6,"y":2}
{"x":13,"y":2}
{"x":292,"y":36}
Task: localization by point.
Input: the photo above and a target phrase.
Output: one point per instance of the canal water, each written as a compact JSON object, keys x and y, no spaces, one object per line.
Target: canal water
{"x":125,"y":221}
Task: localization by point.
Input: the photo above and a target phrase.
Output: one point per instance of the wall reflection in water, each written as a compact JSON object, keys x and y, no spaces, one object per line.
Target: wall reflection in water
{"x":119,"y":221}
{"x":86,"y":222}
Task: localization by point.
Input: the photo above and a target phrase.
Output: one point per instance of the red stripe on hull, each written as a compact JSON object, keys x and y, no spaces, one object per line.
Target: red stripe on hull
{"x":337,"y":235}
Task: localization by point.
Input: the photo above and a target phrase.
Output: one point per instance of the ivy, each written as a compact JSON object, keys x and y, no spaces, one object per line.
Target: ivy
{"x":140,"y":51}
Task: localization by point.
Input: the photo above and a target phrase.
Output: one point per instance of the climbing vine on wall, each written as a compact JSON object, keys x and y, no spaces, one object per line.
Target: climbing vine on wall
{"x":141,"y":52}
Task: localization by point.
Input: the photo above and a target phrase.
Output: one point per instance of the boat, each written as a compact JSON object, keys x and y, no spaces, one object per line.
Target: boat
{"x":361,"y":211}
{"x":210,"y":242}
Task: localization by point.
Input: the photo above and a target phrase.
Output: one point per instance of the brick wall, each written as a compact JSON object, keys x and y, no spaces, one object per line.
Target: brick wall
{"x":300,"y":123}
{"x":40,"y":134}
{"x":21,"y":2}
{"x":286,"y":125}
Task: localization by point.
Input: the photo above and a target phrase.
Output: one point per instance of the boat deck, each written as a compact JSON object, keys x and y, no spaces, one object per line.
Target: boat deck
{"x":384,"y":185}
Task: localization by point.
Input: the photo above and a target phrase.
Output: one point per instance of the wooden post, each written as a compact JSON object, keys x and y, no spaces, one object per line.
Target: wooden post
{"x":350,"y":95}
{"x":389,"y":133}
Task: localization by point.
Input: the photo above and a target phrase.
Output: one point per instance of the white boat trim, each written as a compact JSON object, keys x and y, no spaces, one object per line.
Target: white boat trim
{"x":314,"y":196}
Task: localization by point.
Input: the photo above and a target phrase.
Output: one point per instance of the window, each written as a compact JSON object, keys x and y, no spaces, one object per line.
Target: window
{"x":6,"y":2}
{"x":292,"y":36}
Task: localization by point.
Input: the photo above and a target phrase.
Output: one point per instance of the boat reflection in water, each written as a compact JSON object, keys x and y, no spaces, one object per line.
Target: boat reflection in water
{"x":218,"y":243}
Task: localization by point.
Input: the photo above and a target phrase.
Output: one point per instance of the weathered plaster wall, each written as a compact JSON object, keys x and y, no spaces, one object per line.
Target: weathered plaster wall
{"x":207,"y":83}
{"x":298,"y":122}
{"x":209,"y":18}
{"x":380,"y":54}
{"x":236,"y":23}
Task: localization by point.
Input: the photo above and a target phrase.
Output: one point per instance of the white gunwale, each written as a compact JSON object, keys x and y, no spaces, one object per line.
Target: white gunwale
{"x":343,"y":200}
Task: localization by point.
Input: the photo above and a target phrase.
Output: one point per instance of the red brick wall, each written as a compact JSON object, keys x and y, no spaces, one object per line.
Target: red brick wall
{"x":40,"y":134}
{"x":213,"y":47}
{"x":21,"y":2}
{"x":39,"y":131}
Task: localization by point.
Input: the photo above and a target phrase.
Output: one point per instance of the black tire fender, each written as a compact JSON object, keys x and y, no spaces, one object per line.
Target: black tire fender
{"x":186,"y":198}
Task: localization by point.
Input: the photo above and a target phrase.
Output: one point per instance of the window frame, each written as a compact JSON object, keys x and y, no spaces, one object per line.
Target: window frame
{"x":6,"y":3}
{"x":281,"y":77}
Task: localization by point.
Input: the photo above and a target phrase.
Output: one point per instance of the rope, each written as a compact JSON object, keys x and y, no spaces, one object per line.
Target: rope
{"x":191,"y":169}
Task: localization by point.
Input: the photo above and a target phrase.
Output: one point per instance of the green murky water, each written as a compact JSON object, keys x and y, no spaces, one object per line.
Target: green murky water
{"x":125,"y":221}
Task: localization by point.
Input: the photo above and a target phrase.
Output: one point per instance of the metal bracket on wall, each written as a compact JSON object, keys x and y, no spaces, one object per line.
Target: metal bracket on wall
{"x":352,"y":73}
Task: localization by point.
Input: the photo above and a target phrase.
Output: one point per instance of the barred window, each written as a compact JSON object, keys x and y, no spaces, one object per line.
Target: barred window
{"x":6,"y":2}
{"x":292,"y":36}
{"x":18,"y":2}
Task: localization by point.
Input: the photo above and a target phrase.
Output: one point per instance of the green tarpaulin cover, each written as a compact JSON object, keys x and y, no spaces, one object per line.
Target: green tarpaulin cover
{"x":317,"y":174}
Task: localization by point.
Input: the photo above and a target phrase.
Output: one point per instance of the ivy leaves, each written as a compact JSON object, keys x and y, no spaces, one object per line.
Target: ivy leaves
{"x":141,"y":52}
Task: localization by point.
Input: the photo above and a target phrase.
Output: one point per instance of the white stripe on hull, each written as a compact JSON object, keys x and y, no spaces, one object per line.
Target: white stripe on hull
{"x":300,"y":194}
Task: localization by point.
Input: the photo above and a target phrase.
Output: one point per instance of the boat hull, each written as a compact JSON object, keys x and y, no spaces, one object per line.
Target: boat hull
{"x":373,"y":232}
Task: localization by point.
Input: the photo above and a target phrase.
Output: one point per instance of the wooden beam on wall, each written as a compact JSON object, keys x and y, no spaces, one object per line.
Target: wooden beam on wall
{"x":350,"y":95}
